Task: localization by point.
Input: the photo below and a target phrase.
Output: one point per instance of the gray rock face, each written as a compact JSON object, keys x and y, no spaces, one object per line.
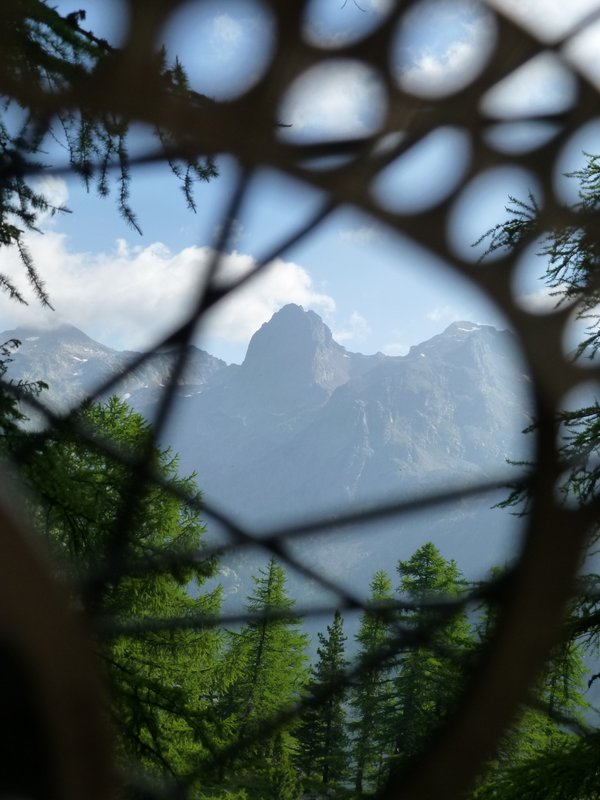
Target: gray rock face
{"x":305,"y":427}
{"x":74,"y":366}
{"x":307,"y":419}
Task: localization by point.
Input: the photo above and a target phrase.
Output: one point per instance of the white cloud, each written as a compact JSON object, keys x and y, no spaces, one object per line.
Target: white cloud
{"x":380,"y":6}
{"x":363,"y":235}
{"x":56,"y":193}
{"x":543,"y":301}
{"x":355,"y":330}
{"x":395,"y":348}
{"x":436,"y":70}
{"x":238,"y":317}
{"x":226,"y":34}
{"x":339,"y":98}
{"x":542,"y":85}
{"x":445,"y":314}
{"x":582,"y":52}
{"x":132,"y":296}
{"x":552,"y":20}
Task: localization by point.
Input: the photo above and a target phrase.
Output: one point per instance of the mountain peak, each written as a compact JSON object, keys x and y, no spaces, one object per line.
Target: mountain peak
{"x":295,"y":355}
{"x":60,"y":334}
{"x":459,"y":335}
{"x":295,"y":318}
{"x":463,"y":326}
{"x":290,"y":309}
{"x":291,"y":336}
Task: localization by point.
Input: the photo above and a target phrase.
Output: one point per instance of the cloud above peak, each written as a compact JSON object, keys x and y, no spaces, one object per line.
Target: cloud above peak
{"x":133,"y":296}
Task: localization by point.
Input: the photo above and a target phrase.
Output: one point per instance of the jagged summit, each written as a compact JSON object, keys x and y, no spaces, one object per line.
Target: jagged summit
{"x":295,"y":355}
{"x":463,"y":329}
{"x":291,"y":332}
{"x":460,"y":335}
{"x":75,"y":365}
{"x":463,"y":326}
{"x":294,"y":333}
{"x":63,"y":333}
{"x":305,"y":426}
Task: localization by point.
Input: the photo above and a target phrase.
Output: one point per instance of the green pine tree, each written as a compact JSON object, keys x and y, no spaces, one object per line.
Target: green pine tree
{"x":284,"y":778}
{"x":430,"y":673}
{"x":265,"y":674}
{"x":540,"y":758}
{"x":323,"y":756}
{"x":163,"y":682}
{"x":540,"y":735}
{"x":11,"y":415}
{"x":372,"y":696}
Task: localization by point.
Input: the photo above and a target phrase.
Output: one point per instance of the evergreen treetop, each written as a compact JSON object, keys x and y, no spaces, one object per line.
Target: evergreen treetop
{"x":431,"y":674}
{"x":323,"y":755}
{"x":263,"y":672}
{"x":372,"y":699}
{"x":548,"y":753}
{"x":162,"y":682}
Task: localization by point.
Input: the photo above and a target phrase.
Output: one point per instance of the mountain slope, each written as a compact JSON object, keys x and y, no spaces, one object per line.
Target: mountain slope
{"x":305,"y":427}
{"x":74,"y":366}
{"x":353,"y":427}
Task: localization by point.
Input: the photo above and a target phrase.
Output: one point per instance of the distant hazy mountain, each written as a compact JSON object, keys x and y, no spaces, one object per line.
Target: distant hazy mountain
{"x":74,"y":366}
{"x":304,"y":426}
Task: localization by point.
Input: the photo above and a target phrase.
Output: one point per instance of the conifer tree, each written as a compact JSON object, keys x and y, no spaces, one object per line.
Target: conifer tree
{"x":372,"y":697}
{"x":11,"y":416}
{"x":267,"y":671}
{"x":541,"y":732}
{"x":571,"y":254}
{"x":323,"y":755}
{"x":541,"y":758}
{"x":162,"y":682}
{"x":430,"y":675}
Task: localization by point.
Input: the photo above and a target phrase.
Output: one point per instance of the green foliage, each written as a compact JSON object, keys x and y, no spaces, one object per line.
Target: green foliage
{"x":571,"y":253}
{"x":162,"y":682}
{"x":372,"y":699}
{"x":179,"y":695}
{"x":546,"y":754}
{"x":11,"y":415}
{"x":566,"y":769}
{"x":323,"y":755}
{"x":539,"y":735}
{"x":430,"y":674}
{"x":512,"y":233}
{"x":264,"y":673}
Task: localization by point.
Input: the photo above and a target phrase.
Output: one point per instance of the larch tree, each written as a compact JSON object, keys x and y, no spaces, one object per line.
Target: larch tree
{"x":267,"y":666}
{"x":11,"y":416}
{"x":324,"y":753}
{"x":544,"y":759}
{"x":544,"y":752}
{"x":52,"y":81}
{"x":162,"y":681}
{"x":430,"y":673}
{"x":372,"y":697}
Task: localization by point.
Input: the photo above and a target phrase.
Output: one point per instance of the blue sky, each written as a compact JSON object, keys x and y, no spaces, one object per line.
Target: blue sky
{"x":376,"y":289}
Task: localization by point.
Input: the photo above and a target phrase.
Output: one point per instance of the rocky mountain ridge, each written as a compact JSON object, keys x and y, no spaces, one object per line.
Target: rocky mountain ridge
{"x":305,"y":427}
{"x":74,"y":365}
